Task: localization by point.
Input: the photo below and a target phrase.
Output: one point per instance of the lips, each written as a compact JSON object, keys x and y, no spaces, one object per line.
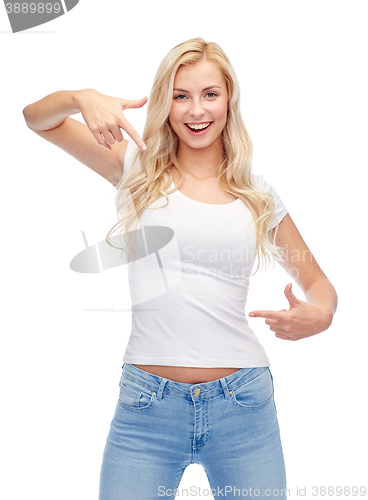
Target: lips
{"x":198,"y":131}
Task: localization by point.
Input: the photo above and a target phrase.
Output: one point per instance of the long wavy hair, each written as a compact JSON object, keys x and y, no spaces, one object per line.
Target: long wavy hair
{"x":145,"y":182}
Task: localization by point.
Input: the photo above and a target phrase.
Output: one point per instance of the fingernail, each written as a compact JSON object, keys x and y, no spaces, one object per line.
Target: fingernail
{"x":144,"y":147}
{"x":251,"y":314}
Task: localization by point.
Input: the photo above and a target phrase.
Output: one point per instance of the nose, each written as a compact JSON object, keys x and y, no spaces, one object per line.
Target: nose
{"x":196,"y":108}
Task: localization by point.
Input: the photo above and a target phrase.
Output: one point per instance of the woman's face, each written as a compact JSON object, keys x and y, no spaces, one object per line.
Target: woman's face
{"x":199,"y":98}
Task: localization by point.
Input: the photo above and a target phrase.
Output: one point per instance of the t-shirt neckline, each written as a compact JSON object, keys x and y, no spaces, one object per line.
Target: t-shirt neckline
{"x":200,"y":202}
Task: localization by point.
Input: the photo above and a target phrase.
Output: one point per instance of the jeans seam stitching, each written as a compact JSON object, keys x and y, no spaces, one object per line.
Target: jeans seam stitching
{"x":254,"y":406}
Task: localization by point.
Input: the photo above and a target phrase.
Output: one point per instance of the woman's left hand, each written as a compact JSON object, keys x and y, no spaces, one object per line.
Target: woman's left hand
{"x":300,"y":321}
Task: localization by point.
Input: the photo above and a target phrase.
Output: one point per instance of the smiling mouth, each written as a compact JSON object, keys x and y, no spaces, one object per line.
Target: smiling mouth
{"x":198,"y":128}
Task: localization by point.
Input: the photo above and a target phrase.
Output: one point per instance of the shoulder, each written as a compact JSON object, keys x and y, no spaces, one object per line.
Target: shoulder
{"x":128,"y":158}
{"x":129,"y":154}
{"x":280,"y":209}
{"x":260,"y":182}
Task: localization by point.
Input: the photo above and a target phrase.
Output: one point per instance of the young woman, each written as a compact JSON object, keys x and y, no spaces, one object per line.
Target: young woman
{"x":196,"y":385}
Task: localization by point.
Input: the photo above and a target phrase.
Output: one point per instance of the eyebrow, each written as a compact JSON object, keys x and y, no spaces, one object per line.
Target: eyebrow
{"x":207,"y":88}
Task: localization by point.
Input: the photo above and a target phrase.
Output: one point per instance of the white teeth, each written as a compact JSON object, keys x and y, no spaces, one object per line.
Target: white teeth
{"x":199,"y":127}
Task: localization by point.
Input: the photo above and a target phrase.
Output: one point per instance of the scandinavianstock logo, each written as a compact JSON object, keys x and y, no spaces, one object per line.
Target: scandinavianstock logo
{"x":28,"y":14}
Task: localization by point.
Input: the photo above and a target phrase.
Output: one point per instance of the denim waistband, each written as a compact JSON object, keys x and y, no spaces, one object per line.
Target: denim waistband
{"x":207,"y":389}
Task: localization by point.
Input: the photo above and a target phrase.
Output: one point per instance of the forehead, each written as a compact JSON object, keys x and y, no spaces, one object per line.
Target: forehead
{"x":201,"y":74}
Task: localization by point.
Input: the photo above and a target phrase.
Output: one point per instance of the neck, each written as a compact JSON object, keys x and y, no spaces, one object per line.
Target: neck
{"x":200,"y":163}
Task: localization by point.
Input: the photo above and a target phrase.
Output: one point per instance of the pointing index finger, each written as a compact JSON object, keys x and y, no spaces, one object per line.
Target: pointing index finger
{"x":266,"y":314}
{"x":125,"y":125}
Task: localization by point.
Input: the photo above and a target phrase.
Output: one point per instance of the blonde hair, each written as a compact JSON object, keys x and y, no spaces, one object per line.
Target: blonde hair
{"x":146,"y":182}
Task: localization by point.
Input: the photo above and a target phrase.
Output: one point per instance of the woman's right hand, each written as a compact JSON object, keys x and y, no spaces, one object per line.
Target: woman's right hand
{"x":104,"y":117}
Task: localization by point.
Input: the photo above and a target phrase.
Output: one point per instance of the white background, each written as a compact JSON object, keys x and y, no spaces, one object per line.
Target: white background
{"x":302,"y":70}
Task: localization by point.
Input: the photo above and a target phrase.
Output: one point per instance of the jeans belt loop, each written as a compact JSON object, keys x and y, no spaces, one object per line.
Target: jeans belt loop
{"x":161,"y":388}
{"x":225,"y":388}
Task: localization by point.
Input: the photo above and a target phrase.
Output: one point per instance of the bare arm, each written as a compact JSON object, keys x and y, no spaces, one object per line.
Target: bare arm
{"x":52,"y":110}
{"x":303,"y":319}
{"x":50,"y":119}
{"x":303,"y":267}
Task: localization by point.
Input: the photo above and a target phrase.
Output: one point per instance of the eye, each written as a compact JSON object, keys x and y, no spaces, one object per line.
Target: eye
{"x":179,"y":97}
{"x":211,"y":94}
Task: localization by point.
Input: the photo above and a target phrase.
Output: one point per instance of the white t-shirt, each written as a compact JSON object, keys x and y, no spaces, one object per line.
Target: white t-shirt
{"x":189,"y":291}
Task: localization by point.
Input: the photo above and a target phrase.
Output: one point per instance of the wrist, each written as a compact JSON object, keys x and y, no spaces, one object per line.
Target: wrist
{"x":78,"y":97}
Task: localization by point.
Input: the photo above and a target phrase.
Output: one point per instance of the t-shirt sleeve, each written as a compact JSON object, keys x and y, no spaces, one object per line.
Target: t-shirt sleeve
{"x":128,"y":157}
{"x":280,"y":209}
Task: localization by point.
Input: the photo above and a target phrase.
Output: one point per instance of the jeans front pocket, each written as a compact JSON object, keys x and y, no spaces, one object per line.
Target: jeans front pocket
{"x":133,"y":397}
{"x":254,"y":393}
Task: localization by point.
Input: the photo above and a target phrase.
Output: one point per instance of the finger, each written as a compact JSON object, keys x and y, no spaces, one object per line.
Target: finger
{"x":116,"y":132}
{"x":125,"y":125}
{"x":293,"y":301}
{"x":279,"y":315}
{"x":98,"y":137}
{"x":135,"y":103}
{"x":281,"y":333}
{"x":101,"y":140}
{"x":284,"y":337}
{"x":280,"y":330}
{"x":274,"y":322}
{"x":108,"y":137}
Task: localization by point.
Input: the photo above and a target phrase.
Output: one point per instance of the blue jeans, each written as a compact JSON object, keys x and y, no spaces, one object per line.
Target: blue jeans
{"x":229,"y":426}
